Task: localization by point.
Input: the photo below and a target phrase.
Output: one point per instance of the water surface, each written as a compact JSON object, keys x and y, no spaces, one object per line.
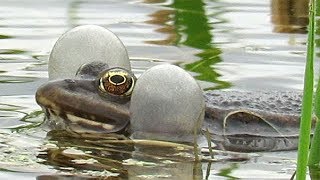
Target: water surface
{"x":244,"y":45}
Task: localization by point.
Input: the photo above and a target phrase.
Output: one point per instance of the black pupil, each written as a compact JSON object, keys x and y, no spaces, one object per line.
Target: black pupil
{"x":117,"y":79}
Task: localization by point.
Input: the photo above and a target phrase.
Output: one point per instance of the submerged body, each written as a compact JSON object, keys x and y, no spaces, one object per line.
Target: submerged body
{"x":243,"y":121}
{"x":91,"y":85}
{"x":253,"y":121}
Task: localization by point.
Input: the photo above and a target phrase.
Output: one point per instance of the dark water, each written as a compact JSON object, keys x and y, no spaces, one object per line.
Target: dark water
{"x":245,"y":45}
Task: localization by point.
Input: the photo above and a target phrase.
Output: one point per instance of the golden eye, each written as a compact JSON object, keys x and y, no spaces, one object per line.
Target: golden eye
{"x":117,"y":81}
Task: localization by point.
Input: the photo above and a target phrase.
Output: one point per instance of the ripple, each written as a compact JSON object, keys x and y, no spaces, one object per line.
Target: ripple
{"x":252,"y":48}
{"x":2,"y":36}
{"x":12,"y":51}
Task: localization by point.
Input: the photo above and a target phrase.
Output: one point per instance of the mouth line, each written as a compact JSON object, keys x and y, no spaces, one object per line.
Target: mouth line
{"x":72,"y":121}
{"x":80,"y":120}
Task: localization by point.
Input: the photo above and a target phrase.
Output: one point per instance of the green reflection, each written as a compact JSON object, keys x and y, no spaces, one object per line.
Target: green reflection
{"x":2,"y":36}
{"x":227,"y":171}
{"x":192,"y":28}
{"x":11,"y":51}
{"x":31,"y":120}
{"x":205,"y":70}
{"x":192,"y":24}
{"x":14,"y":79}
{"x":9,"y":111}
{"x":314,"y":172}
{"x":9,"y":107}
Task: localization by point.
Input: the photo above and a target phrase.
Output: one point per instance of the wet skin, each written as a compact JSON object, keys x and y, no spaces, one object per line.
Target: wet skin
{"x":79,"y":105}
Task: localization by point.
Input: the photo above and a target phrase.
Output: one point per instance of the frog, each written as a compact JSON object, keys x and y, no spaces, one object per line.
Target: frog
{"x":100,"y":94}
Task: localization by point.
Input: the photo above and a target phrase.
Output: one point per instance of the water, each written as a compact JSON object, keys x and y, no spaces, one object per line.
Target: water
{"x":243,"y":45}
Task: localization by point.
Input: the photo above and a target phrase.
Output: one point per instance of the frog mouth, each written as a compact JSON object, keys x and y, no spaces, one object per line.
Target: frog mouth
{"x":74,"y":123}
{"x":77,"y":105}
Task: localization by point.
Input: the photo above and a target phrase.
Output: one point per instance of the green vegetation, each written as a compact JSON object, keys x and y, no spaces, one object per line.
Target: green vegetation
{"x":314,"y":157}
{"x":307,"y":107}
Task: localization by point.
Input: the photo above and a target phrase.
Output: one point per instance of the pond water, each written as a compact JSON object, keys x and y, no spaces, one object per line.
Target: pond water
{"x":245,"y":45}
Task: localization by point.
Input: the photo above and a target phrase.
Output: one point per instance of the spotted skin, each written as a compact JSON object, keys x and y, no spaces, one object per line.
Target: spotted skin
{"x":246,"y":121}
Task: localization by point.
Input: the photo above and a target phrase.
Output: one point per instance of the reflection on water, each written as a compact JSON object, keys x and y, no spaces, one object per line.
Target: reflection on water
{"x":246,"y":45}
{"x":289,"y":16}
{"x":187,"y":25}
{"x":193,"y":26}
{"x":117,"y":156}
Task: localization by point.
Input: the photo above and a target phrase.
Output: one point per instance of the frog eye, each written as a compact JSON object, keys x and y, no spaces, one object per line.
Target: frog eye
{"x":117,"y":81}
